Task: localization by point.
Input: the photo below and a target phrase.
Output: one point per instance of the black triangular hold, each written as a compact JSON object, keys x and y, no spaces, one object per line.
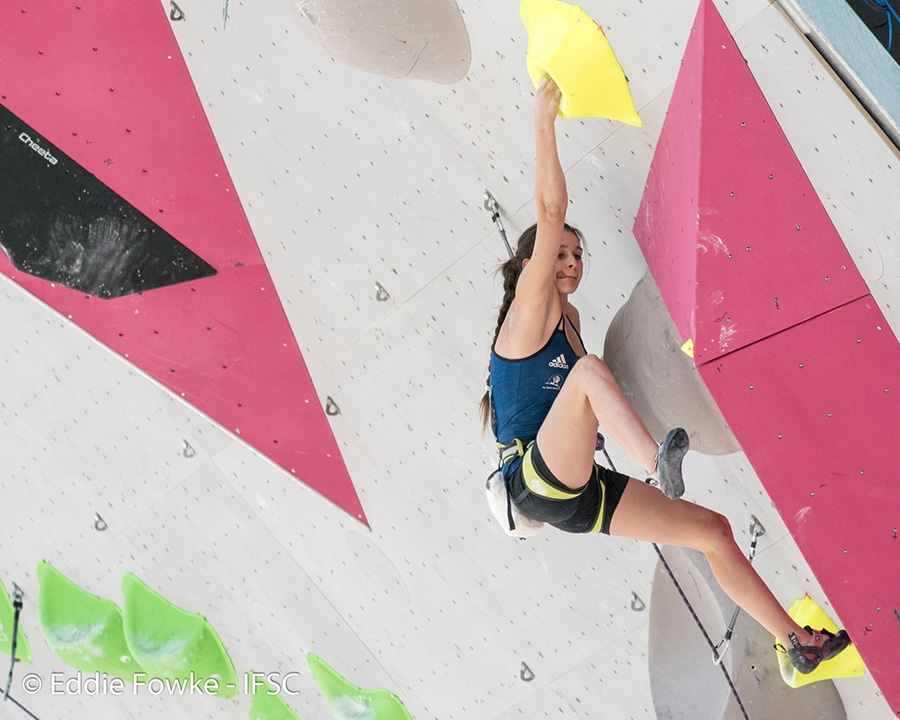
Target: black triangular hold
{"x":60,"y":223}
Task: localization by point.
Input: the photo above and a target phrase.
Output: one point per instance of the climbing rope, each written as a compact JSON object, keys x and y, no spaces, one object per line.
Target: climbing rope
{"x":890,"y":16}
{"x":601,"y":445}
{"x":706,"y":637}
{"x":22,"y":707}
{"x":17,"y":606}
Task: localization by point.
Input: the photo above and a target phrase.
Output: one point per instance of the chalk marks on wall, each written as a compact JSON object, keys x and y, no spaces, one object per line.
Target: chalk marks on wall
{"x":60,"y":223}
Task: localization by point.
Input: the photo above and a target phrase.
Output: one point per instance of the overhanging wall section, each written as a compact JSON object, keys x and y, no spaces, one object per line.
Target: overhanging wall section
{"x":792,"y":346}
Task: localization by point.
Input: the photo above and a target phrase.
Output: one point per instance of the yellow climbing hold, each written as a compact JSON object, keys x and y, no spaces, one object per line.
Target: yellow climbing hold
{"x":566,"y":44}
{"x":846,"y":664}
{"x":688,"y":348}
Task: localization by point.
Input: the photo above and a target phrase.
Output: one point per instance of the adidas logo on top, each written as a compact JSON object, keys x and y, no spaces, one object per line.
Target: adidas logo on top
{"x":559,"y":362}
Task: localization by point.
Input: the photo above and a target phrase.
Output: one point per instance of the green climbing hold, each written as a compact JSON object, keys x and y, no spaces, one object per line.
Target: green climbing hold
{"x":349,"y":702}
{"x":83,"y":629}
{"x":173,"y":644}
{"x":7,"y":620}
{"x":266,"y":703}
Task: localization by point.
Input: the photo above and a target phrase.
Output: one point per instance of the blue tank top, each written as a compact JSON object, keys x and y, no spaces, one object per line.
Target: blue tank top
{"x":523,"y":390}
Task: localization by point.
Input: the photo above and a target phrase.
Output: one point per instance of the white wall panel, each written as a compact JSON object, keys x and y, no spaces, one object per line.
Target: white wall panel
{"x":350,"y":179}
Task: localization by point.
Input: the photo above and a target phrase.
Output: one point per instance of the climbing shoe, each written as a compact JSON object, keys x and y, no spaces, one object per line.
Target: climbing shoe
{"x":668,"y":462}
{"x":824,"y":646}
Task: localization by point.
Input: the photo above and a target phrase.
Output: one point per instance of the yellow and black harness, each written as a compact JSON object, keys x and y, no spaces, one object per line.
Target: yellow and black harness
{"x":534,"y":482}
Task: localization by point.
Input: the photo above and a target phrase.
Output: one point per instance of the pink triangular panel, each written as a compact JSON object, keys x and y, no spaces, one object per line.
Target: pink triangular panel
{"x":729,"y":223}
{"x":794,"y":350}
{"x":816,"y":409}
{"x":105,"y":83}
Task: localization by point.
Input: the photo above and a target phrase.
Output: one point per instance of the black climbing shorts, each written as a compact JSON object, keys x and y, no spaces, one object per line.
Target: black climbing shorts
{"x":542,"y":497}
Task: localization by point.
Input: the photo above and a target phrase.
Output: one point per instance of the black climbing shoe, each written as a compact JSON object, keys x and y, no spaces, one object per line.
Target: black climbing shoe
{"x":825,"y":645}
{"x":668,"y":464}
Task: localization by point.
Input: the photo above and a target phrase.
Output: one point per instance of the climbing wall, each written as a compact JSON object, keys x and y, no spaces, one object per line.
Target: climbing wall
{"x":363,"y":193}
{"x":796,"y":352}
{"x":111,"y":177}
{"x":728,"y":204}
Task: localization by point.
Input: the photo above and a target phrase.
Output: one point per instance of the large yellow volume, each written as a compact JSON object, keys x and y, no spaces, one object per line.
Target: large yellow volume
{"x":564,"y":43}
{"x":846,"y":664}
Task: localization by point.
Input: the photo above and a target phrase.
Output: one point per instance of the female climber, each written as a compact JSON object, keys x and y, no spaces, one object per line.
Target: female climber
{"x":547,"y":396}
